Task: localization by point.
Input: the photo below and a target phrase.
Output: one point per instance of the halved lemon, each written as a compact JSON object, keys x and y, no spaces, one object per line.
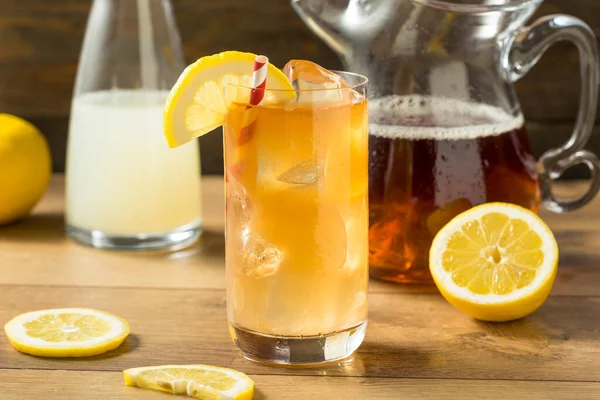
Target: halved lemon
{"x":197,"y":103}
{"x":495,"y":262}
{"x":66,"y":332}
{"x":197,"y":381}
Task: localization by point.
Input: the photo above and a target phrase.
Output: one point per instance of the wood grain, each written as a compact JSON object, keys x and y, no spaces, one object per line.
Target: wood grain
{"x":69,"y":385}
{"x":409,"y":335}
{"x":37,"y":252}
{"x":417,"y":345}
{"x":41,"y":42}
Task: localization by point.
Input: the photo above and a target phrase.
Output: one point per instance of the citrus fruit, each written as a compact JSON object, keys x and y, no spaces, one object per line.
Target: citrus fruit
{"x":197,"y":103}
{"x":66,"y":332}
{"x":25,"y":167}
{"x":441,"y":216}
{"x":495,"y":262}
{"x":197,"y":381}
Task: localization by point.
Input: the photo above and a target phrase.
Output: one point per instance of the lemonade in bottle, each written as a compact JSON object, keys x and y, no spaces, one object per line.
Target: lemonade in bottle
{"x":123,"y":180}
{"x":125,"y":188}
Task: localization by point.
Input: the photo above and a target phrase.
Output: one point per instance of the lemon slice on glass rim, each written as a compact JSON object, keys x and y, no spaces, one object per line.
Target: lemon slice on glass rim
{"x":197,"y":381}
{"x":66,"y":332}
{"x":495,"y":262}
{"x":197,"y":104}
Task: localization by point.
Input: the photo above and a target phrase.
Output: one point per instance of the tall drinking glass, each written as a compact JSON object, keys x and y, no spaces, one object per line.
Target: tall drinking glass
{"x":125,"y":188}
{"x":297,"y":223}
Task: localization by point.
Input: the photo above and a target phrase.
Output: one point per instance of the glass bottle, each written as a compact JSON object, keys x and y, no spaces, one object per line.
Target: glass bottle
{"x":125,"y":188}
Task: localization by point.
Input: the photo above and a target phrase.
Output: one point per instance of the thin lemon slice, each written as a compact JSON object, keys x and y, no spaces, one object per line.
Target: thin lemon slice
{"x":197,"y":381}
{"x":495,"y":262}
{"x":197,"y":104}
{"x":66,"y":332}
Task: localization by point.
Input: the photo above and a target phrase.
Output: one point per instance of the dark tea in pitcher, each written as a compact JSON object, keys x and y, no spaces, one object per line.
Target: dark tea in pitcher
{"x":446,"y":127}
{"x":431,"y":159}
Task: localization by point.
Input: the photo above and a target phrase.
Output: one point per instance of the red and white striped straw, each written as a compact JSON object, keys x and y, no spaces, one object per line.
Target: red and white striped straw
{"x":259,"y":80}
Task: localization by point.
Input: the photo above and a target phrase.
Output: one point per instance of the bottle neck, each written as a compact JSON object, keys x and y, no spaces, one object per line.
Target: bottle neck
{"x":130,"y":44}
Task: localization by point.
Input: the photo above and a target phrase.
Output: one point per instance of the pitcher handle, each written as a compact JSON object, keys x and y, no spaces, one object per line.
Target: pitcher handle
{"x":525,"y":50}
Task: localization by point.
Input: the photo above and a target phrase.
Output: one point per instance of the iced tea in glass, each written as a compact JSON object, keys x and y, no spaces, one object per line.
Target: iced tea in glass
{"x":297,"y":222}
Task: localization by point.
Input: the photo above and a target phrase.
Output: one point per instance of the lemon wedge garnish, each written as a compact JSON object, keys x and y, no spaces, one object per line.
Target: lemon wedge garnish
{"x":197,"y":103}
{"x":197,"y":381}
{"x":66,"y":332}
{"x":495,"y":262}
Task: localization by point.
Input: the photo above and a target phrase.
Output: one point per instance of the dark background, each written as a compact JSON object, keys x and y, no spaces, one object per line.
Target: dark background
{"x":40,"y":42}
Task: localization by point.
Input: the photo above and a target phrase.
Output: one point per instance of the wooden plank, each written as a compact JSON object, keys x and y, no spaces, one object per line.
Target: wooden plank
{"x":37,"y":77}
{"x":71,"y":385}
{"x":36,"y":251}
{"x":544,"y":136}
{"x":202,"y":266}
{"x":550,"y":92}
{"x":409,"y":335}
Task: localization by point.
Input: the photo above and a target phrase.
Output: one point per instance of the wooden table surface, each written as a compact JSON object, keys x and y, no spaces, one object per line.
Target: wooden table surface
{"x":417,"y":345}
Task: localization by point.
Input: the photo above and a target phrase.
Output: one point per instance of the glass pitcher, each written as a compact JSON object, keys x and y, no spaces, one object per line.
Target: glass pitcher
{"x":446,"y":130}
{"x":126,"y":189}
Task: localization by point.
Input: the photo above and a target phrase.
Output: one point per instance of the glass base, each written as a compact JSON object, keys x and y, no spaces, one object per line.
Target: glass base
{"x":298,"y":351}
{"x":174,"y":240}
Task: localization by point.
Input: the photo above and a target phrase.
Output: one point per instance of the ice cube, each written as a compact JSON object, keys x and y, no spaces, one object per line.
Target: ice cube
{"x":237,"y":204}
{"x":357,"y":234}
{"x":239,"y":216}
{"x":360,"y":298}
{"x":357,"y":242}
{"x":311,"y":79}
{"x":305,"y":173}
{"x":306,"y":75}
{"x":261,"y":258}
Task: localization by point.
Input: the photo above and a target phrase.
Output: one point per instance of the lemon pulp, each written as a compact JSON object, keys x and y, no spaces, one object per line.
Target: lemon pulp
{"x":495,"y":262}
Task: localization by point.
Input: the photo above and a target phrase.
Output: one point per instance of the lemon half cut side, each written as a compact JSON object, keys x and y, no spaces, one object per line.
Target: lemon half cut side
{"x":495,"y":262}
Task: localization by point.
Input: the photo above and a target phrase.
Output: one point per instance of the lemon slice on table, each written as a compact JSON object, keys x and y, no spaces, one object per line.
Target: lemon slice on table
{"x":197,"y":381}
{"x":197,"y":104}
{"x":66,"y":332}
{"x":495,"y":262}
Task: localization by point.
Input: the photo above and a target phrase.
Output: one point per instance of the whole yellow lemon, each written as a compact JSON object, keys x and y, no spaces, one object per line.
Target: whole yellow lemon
{"x":25,"y":167}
